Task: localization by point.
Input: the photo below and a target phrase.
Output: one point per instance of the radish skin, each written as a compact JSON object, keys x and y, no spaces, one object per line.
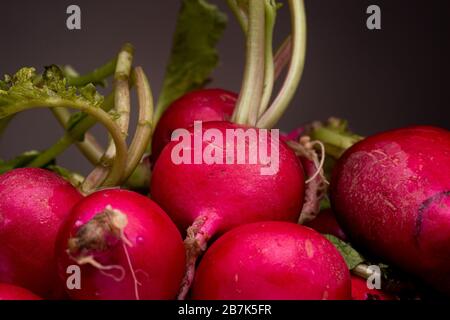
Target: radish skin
{"x":326,"y":223}
{"x":391,"y":194}
{"x":208,"y":200}
{"x":203,"y":105}
{"x":126,"y":246}
{"x":272,"y":261}
{"x":11,"y":292}
{"x":33,"y":204}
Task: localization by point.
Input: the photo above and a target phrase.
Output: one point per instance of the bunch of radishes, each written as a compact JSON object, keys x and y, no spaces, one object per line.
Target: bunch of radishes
{"x":242,"y":231}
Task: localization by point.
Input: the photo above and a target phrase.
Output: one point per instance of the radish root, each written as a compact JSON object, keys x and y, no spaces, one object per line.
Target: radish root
{"x":94,"y":236}
{"x":195,"y":244}
{"x":317,"y":184}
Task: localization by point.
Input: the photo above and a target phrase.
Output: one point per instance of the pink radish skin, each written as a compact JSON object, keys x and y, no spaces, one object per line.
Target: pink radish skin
{"x":33,"y":205}
{"x":272,"y":261}
{"x":152,"y":242}
{"x":326,"y":223}
{"x":391,"y":194}
{"x":10,"y":292}
{"x":205,"y":105}
{"x":360,"y":291}
{"x":211,"y":199}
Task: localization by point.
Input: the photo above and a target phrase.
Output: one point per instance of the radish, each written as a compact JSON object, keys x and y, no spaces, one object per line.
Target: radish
{"x":272,"y":260}
{"x":326,"y":223}
{"x":391,"y":194}
{"x":33,"y":204}
{"x":205,"y":105}
{"x":360,"y":291}
{"x":126,"y":248}
{"x":210,"y":199}
{"x":10,"y":292}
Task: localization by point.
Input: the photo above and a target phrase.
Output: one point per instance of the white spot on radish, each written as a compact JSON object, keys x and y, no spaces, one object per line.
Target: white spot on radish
{"x":309,"y":248}
{"x":236,"y":278}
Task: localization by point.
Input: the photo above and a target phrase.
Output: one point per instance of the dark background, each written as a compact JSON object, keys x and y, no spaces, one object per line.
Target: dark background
{"x":377,"y":80}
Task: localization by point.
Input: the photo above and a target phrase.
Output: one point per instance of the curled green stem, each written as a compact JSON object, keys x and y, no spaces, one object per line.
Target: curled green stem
{"x":281,"y":102}
{"x":143,"y":132}
{"x":269,"y":71}
{"x":99,"y":176}
{"x":96,"y":76}
{"x":247,"y":107}
{"x":90,"y":148}
{"x":97,"y":113}
{"x":73,"y":135}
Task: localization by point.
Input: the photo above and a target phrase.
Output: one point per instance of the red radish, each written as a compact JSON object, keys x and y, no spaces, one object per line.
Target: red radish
{"x":211,"y":199}
{"x":360,"y":291}
{"x":326,"y":223}
{"x":205,"y":105}
{"x":126,"y":246}
{"x":391,"y":194}
{"x":10,"y":292}
{"x":33,"y":204}
{"x":272,"y":260}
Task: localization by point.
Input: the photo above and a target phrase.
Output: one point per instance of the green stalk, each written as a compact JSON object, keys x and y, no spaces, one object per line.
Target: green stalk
{"x":97,"y":113}
{"x":96,"y":76}
{"x":143,"y":133}
{"x":240,"y":15}
{"x":278,"y":107}
{"x":283,"y":56}
{"x":90,"y":148}
{"x":335,"y":142}
{"x":98,"y":177}
{"x":269,"y":72}
{"x":247,"y":107}
{"x":73,"y":135}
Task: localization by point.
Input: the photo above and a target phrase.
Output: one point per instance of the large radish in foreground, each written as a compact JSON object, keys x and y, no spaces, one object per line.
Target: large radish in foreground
{"x":10,"y":292}
{"x":33,"y":205}
{"x":272,"y":260}
{"x":210,"y":199}
{"x":126,"y":246}
{"x":391,"y":193}
{"x":200,"y":105}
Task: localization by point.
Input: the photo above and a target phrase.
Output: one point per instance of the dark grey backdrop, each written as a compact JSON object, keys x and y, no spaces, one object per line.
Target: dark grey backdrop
{"x":375,"y":79}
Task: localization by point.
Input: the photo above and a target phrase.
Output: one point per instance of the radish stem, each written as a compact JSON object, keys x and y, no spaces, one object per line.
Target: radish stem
{"x":95,"y":76}
{"x":240,"y":15}
{"x":270,"y":13}
{"x":90,"y":148}
{"x":281,"y":102}
{"x":247,"y":107}
{"x":100,"y":115}
{"x":283,"y":56}
{"x":98,"y":177}
{"x":71,"y":136}
{"x":143,"y":133}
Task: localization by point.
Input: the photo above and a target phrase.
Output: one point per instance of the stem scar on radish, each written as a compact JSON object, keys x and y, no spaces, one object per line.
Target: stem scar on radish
{"x":208,"y":200}
{"x":126,"y":247}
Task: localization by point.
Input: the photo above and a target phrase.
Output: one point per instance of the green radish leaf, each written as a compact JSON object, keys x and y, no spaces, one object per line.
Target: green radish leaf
{"x":26,"y":85}
{"x":194,"y":55}
{"x":350,"y":255}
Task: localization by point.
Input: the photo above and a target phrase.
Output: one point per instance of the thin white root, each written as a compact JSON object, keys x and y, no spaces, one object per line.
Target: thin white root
{"x":91,"y":261}
{"x":319,"y":165}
